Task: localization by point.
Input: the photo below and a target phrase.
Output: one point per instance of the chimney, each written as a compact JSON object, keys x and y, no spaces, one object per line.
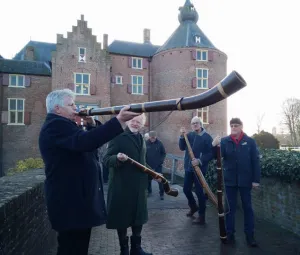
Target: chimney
{"x":105,"y":41}
{"x":147,"y":35}
{"x":29,"y":53}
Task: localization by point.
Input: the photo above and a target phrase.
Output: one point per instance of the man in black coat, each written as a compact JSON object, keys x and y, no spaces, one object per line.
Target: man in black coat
{"x":73,"y":190}
{"x":155,"y":158}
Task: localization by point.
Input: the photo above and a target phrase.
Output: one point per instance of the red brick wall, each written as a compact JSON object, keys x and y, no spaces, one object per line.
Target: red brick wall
{"x":65,"y":64}
{"x":172,"y":73}
{"x":21,"y":141}
{"x":119,"y":93}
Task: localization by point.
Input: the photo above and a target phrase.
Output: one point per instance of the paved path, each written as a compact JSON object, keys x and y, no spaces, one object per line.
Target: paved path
{"x":170,"y":232}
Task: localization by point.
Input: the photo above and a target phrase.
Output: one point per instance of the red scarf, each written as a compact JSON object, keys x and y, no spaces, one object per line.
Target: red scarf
{"x":239,"y":139}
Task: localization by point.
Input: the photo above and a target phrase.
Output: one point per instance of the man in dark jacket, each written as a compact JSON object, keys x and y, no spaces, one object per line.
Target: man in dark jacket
{"x":241,"y":173}
{"x":127,"y":198}
{"x":155,"y":158}
{"x":73,"y":191}
{"x":201,"y":143}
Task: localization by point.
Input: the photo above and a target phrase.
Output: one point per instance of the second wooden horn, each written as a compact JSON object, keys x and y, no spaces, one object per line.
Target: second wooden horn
{"x":225,"y":88}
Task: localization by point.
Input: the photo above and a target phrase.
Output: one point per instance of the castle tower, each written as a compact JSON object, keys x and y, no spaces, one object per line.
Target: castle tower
{"x":187,"y":64}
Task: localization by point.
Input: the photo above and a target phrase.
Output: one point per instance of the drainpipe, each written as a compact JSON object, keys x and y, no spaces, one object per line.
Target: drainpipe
{"x":149,"y":88}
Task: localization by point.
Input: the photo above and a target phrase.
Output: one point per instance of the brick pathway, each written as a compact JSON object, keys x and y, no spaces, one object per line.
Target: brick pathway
{"x":170,"y":232}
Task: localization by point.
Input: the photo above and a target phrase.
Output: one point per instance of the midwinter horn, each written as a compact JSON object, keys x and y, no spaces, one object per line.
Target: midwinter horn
{"x":225,"y":88}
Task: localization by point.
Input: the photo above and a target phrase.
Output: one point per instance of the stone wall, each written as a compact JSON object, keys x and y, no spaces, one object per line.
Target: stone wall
{"x":275,"y":201}
{"x":24,"y":225}
{"x":278,"y":202}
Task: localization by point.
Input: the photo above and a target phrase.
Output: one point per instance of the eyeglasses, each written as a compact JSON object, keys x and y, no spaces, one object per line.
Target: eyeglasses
{"x":234,"y":125}
{"x":195,"y":123}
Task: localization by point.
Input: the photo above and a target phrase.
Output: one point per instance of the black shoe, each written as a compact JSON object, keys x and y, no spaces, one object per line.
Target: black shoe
{"x":230,"y":239}
{"x":124,"y":246}
{"x":161,"y":197}
{"x":193,"y":209}
{"x":199,"y":221}
{"x":251,"y":241}
{"x":136,"y":248}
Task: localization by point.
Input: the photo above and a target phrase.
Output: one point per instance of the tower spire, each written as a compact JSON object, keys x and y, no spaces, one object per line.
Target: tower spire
{"x":188,"y":13}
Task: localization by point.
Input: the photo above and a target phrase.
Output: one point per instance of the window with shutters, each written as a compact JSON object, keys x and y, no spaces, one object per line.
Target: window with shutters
{"x":137,"y":63}
{"x":202,"y":78}
{"x":137,"y":82}
{"x":82,"y":83}
{"x":81,"y":54}
{"x":202,"y":55}
{"x":203,"y":114}
{"x":16,"y":111}
{"x":119,"y":79}
{"x":17,"y":81}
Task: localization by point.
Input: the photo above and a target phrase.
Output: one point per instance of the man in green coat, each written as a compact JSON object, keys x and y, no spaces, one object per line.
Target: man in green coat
{"x":127,"y":186}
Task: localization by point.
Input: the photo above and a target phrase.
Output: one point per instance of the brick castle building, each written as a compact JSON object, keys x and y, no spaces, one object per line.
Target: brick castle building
{"x":107,"y":75}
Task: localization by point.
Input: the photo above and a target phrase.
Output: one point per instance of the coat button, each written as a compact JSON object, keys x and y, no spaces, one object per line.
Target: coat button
{"x":99,"y":189}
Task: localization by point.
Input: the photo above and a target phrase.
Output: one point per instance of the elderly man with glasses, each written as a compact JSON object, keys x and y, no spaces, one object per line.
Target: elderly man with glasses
{"x":241,"y":173}
{"x":201,"y":143}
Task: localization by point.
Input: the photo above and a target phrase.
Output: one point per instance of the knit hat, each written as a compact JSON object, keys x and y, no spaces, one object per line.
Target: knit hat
{"x":152,"y":134}
{"x":236,"y":121}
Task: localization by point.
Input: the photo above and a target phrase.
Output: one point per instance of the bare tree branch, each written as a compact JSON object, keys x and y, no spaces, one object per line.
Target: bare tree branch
{"x":259,"y":120}
{"x":291,"y":118}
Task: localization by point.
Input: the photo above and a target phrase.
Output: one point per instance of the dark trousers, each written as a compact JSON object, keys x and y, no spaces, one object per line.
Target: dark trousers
{"x":160,"y":185}
{"x":73,"y":242}
{"x":136,"y":231}
{"x":245,"y":193}
{"x":189,"y":179}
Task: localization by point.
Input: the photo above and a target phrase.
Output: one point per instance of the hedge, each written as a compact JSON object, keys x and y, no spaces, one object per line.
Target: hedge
{"x":25,"y":165}
{"x":281,"y":164}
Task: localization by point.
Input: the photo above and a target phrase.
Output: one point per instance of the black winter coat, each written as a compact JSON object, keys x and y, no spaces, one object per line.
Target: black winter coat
{"x":73,"y":190}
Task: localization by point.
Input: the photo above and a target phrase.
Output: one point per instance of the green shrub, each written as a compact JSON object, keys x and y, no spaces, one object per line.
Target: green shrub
{"x":281,"y":164}
{"x":26,"y":164}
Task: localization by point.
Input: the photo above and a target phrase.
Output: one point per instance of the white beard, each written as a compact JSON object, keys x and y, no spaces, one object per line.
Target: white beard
{"x":133,"y":130}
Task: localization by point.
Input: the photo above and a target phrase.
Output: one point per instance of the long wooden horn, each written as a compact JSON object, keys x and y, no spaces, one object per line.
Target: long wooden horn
{"x":225,"y":88}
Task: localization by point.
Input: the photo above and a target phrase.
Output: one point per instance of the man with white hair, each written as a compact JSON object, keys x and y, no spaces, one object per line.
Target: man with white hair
{"x":201,"y":143}
{"x":73,"y":190}
{"x":126,"y":198}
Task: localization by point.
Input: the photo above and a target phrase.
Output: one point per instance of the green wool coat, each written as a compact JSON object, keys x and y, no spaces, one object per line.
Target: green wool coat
{"x":127,"y":186}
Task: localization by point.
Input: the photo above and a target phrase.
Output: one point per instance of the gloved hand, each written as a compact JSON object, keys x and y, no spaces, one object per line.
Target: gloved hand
{"x":216,"y":141}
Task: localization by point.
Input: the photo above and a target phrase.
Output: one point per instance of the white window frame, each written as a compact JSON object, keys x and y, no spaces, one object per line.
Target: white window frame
{"x":201,"y":56}
{"x":121,"y":79}
{"x":200,"y":114}
{"x":137,"y":59}
{"x":81,"y":59}
{"x":17,"y":81}
{"x":137,"y":85}
{"x":201,"y":79}
{"x":89,"y":84}
{"x":16,"y":111}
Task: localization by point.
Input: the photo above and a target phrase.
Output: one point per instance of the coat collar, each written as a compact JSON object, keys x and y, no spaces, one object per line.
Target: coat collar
{"x":53,"y":116}
{"x":244,"y":138}
{"x":131,"y":137}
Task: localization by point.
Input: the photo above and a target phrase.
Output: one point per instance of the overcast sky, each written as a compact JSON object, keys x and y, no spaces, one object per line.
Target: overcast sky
{"x":261,"y":39}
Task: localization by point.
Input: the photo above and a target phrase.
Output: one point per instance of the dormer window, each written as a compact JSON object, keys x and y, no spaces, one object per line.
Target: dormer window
{"x":81,"y":54}
{"x":137,"y":63}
